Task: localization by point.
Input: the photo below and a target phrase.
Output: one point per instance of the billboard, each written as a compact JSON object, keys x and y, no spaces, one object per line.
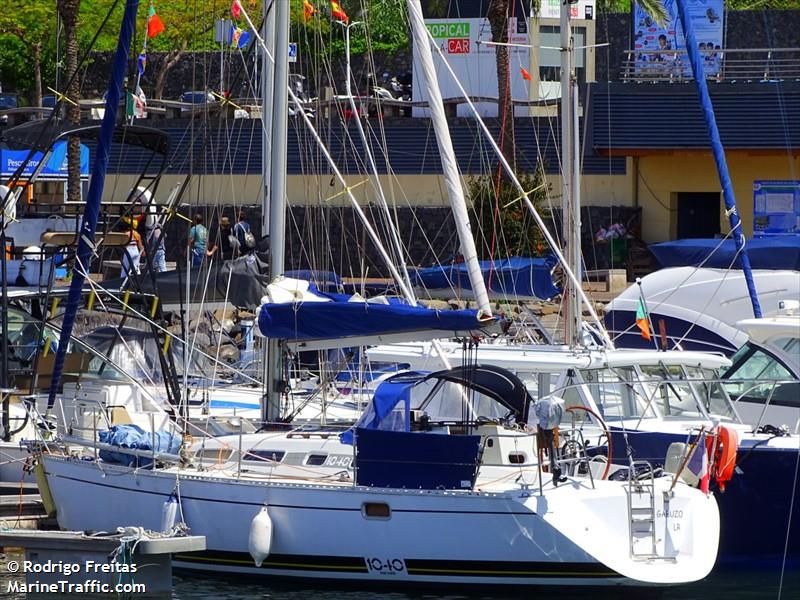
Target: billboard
{"x":582,"y":9}
{"x":462,"y":41}
{"x":776,"y":208}
{"x":649,"y":39}
{"x":55,"y":168}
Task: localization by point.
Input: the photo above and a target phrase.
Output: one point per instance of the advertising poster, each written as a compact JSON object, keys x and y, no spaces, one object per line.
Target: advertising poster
{"x":582,"y":9}
{"x":776,"y":208}
{"x":473,"y":61}
{"x":55,"y":168}
{"x":650,"y":39}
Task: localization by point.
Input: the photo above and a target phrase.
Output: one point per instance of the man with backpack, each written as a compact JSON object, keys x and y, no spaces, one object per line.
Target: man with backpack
{"x":245,"y":237}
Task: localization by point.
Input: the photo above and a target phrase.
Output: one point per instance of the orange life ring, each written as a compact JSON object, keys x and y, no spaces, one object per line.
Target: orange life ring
{"x":726,"y":443}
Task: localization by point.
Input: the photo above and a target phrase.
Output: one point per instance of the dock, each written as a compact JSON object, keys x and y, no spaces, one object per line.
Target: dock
{"x":21,"y":507}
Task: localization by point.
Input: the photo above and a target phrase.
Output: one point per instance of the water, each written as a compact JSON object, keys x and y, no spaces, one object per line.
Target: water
{"x":727,"y":584}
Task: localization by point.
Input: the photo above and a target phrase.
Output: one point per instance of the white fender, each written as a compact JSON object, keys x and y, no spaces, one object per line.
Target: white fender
{"x":260,"y":536}
{"x":169,"y":513}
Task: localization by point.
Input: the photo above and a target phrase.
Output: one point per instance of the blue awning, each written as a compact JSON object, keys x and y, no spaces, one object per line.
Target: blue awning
{"x":515,"y":276}
{"x":775,"y":252}
{"x":338,"y":319}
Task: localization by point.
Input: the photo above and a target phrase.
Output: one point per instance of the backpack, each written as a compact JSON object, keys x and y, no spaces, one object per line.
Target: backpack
{"x":248,"y":237}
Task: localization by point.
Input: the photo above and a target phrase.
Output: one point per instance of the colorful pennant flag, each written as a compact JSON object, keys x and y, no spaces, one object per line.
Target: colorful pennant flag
{"x":236,"y":33}
{"x":308,"y":10}
{"x":141,"y":63}
{"x":154,"y":23}
{"x":525,"y":75}
{"x":236,"y":9}
{"x":642,"y":321}
{"x":338,"y":13}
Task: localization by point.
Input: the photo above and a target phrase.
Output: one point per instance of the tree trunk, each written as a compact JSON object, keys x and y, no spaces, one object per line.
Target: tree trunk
{"x":498,"y":21}
{"x":170,"y":60}
{"x":68,"y":9}
{"x":37,"y":73}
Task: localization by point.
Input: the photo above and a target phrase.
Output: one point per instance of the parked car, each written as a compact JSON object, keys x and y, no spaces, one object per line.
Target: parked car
{"x":8,"y":101}
{"x":197,"y":97}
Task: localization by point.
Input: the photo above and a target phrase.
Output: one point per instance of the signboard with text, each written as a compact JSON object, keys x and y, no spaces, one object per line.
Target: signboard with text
{"x":652,"y":39}
{"x":582,"y":9}
{"x":463,"y":44}
{"x":55,"y":168}
{"x":776,"y":207}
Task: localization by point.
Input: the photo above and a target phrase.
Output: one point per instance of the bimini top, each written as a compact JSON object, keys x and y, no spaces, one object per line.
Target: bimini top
{"x":296,"y":311}
{"x":474,"y":392}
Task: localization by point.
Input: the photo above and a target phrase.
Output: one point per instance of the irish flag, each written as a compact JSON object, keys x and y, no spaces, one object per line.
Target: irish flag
{"x":642,"y":322}
{"x":154,"y":23}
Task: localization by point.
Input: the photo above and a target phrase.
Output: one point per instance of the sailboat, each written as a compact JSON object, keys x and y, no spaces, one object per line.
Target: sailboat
{"x":647,"y":400}
{"x":440,"y":481}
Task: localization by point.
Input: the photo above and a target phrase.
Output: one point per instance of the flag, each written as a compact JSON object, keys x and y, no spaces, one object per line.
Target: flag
{"x":642,"y":321}
{"x":136,"y":106}
{"x":236,"y":9}
{"x":698,"y":463}
{"x":308,"y":10}
{"x":525,"y":75}
{"x":236,"y":33}
{"x":154,"y":23}
{"x":338,"y":13}
{"x":141,"y":63}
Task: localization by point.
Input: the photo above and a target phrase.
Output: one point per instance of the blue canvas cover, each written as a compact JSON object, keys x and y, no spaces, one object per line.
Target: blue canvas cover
{"x":133,"y":436}
{"x":427,"y":461}
{"x":381,"y":413}
{"x":515,"y":276}
{"x":777,"y":252}
{"x":305,"y":321}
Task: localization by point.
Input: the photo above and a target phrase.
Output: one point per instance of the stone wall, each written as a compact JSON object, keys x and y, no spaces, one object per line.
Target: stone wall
{"x":744,"y":29}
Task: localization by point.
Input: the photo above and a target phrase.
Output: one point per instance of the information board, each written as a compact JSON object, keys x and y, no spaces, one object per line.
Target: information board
{"x":776,"y":208}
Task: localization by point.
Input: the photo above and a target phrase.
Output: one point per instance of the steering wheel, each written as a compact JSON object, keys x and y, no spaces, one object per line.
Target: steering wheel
{"x":606,"y":433}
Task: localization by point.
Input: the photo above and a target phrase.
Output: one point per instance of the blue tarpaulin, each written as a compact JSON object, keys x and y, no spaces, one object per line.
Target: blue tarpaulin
{"x":337,"y":319}
{"x":515,"y":276}
{"x":777,"y":252}
{"x":134,"y":437}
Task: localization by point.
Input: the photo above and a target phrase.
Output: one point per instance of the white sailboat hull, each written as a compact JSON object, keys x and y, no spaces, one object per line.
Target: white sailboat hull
{"x":569,"y":535}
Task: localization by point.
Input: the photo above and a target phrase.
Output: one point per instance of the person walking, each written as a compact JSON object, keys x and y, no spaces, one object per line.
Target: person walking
{"x":133,"y":250}
{"x":224,"y":241}
{"x":196,"y":244}
{"x":155,"y":245}
{"x":246,"y":239}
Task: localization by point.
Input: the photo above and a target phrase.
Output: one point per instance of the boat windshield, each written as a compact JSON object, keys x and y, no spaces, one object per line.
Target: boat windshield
{"x":447,"y":401}
{"x":756,"y":375}
{"x":614,"y":393}
{"x":682,"y":392}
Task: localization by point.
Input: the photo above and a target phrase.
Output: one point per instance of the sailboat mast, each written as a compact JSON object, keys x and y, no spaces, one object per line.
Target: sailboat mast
{"x":455,"y":192}
{"x":277,"y":188}
{"x":570,"y":173}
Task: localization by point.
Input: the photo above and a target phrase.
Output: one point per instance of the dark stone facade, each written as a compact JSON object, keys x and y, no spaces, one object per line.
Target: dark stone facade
{"x":744,"y":29}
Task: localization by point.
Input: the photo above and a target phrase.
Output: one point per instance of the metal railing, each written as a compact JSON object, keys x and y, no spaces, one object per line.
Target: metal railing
{"x":733,"y":64}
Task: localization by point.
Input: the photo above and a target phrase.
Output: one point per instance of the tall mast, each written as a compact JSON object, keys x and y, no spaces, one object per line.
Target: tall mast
{"x":455,"y":192}
{"x":277,"y":188}
{"x":570,"y":182}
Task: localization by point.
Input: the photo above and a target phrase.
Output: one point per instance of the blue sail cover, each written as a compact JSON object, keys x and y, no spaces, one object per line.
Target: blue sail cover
{"x":776,"y":252}
{"x":515,"y":276}
{"x":337,"y":319}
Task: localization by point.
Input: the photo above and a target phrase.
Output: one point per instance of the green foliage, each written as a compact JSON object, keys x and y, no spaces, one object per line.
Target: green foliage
{"x":503,"y":226}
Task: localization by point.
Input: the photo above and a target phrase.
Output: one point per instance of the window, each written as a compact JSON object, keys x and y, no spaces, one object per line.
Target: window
{"x":615,"y":394}
{"x":316,"y":460}
{"x":671,"y":391}
{"x":264,"y":455}
{"x":376,"y":510}
{"x":754,"y":374}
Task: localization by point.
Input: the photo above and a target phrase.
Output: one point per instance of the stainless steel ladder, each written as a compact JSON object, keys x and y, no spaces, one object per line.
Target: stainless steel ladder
{"x":642,"y":511}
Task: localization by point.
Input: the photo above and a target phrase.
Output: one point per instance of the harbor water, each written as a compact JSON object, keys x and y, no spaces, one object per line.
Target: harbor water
{"x":743,"y":583}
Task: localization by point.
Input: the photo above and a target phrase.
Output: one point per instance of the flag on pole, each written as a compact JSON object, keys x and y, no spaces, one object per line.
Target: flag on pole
{"x":236,"y":9}
{"x":642,"y":320}
{"x":698,"y":464}
{"x":141,"y":63}
{"x":525,"y":75}
{"x":236,"y":33}
{"x":308,"y":10}
{"x":136,"y":105}
{"x":154,"y":23}
{"x":338,"y":13}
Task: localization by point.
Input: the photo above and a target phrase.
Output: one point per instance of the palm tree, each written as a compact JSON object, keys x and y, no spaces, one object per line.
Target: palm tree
{"x":68,"y":10}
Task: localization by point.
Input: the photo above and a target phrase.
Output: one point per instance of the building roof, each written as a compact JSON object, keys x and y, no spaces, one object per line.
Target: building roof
{"x":235,"y":147}
{"x":627,"y":119}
